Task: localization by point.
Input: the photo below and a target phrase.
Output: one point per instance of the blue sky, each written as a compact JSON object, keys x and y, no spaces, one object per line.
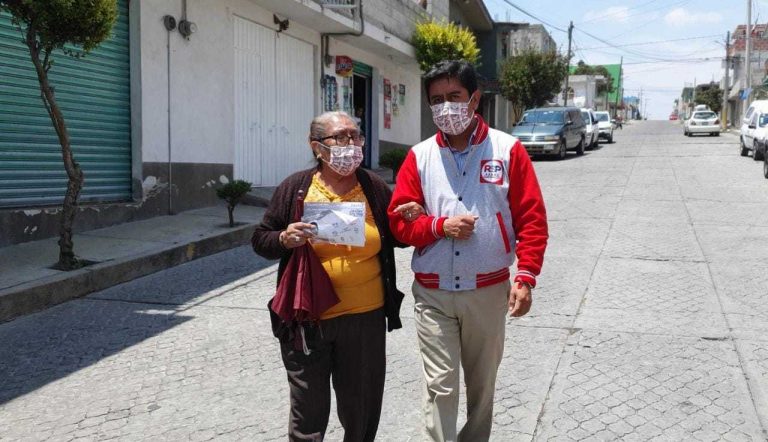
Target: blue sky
{"x":629,"y":22}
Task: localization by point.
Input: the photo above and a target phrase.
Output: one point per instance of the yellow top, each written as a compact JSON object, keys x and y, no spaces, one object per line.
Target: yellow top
{"x":355,"y":272}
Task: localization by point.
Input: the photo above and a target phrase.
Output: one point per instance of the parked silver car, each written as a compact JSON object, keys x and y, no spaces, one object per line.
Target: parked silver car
{"x":593,"y":133}
{"x":605,"y":126}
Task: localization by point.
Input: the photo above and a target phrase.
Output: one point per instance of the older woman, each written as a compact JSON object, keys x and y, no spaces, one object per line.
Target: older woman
{"x":348,"y":344}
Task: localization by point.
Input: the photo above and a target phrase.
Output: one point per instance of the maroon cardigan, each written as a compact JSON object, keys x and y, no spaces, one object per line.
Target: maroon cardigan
{"x":266,"y":240}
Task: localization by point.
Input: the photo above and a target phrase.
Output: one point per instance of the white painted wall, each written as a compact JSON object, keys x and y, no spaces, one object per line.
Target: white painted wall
{"x":202,"y":79}
{"x":406,"y":127}
{"x":584,"y":91}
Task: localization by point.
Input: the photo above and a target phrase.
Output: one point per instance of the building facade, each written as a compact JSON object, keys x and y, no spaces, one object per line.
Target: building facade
{"x":506,"y":39}
{"x":160,"y":119}
{"x":739,"y":91}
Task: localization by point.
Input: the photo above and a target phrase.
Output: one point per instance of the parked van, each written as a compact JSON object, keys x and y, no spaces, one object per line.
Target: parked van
{"x":552,"y":131}
{"x":754,"y":129}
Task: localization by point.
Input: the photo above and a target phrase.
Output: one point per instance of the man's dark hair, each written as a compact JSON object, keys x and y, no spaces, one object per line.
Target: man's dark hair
{"x":458,"y":69}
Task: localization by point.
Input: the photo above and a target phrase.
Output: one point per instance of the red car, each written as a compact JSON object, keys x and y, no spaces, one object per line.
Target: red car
{"x":673,"y":117}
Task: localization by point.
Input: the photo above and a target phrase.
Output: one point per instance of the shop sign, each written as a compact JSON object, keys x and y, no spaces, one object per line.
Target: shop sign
{"x":343,"y":66}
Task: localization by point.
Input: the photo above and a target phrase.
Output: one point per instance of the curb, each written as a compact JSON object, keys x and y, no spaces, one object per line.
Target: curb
{"x":46,"y":292}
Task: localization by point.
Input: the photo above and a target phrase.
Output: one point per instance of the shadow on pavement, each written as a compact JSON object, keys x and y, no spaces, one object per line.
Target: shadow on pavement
{"x":44,"y":347}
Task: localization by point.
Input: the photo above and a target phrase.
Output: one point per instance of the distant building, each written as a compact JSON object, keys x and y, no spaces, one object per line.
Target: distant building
{"x":582,"y":91}
{"x":599,"y":101}
{"x":758,"y":65}
{"x":685,"y":102}
{"x":631,"y":109}
{"x":506,"y":39}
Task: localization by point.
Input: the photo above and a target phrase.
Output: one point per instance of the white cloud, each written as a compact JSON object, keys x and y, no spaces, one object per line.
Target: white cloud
{"x":614,"y":14}
{"x":681,"y":17}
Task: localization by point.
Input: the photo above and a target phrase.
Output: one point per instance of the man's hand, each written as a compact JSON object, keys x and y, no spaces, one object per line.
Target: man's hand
{"x":459,"y":227}
{"x":519,"y":299}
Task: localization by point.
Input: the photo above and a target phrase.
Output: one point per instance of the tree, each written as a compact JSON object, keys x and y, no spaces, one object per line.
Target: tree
{"x":74,"y":27}
{"x":233,"y":192}
{"x":711,"y":96}
{"x":531,"y":79}
{"x":585,"y":69}
{"x":439,"y":41}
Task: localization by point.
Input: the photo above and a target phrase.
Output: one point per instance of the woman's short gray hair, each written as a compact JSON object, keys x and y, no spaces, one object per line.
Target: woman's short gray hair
{"x":319,"y":125}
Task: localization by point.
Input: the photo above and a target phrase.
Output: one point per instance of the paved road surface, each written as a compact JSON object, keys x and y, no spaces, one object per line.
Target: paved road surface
{"x":649,"y":323}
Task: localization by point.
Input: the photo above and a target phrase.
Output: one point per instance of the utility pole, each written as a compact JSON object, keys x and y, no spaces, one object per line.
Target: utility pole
{"x":748,"y":60}
{"x":726,"y":88}
{"x":618,"y":88}
{"x":568,"y":64}
{"x":640,"y":104}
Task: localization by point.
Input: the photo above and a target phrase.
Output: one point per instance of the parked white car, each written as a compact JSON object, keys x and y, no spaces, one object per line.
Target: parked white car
{"x":753,"y":130}
{"x":604,"y":125}
{"x":702,"y":122}
{"x":701,"y":107}
{"x":593,"y":133}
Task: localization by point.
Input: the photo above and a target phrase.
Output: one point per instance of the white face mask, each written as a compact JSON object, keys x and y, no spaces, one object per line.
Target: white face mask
{"x":344,"y":159}
{"x":452,"y":118}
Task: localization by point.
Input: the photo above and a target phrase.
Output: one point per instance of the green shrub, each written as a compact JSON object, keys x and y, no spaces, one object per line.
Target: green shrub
{"x":233,"y":192}
{"x":438,"y":41}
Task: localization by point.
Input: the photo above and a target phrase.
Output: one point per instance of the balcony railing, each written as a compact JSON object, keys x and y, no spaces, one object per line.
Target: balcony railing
{"x":343,"y":7}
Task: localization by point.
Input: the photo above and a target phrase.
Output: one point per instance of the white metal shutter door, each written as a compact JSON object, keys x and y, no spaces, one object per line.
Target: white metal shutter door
{"x":255,"y":119}
{"x":294,"y":107}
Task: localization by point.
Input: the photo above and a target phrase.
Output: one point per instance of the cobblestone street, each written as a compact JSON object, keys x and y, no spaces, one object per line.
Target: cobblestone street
{"x":650,"y":322}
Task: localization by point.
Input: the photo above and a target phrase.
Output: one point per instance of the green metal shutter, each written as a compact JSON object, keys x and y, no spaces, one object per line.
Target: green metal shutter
{"x":94,"y":95}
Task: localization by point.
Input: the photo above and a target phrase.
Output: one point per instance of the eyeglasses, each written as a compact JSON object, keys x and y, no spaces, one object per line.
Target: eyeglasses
{"x":344,"y":139}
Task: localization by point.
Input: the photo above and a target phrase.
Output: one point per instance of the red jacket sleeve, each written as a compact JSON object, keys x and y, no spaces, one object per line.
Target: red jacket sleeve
{"x":529,"y":215}
{"x":424,"y":230}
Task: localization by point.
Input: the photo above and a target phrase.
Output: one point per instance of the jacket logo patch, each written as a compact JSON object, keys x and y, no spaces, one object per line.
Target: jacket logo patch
{"x":492,"y":172}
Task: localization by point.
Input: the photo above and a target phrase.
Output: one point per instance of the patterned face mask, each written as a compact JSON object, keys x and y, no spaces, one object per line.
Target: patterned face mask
{"x":344,"y":159}
{"x":452,"y":118}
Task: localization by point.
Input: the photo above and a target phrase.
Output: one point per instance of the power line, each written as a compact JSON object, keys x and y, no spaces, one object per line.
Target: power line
{"x":683,"y":60}
{"x":652,"y":42}
{"x":534,"y":17}
{"x":635,"y":53}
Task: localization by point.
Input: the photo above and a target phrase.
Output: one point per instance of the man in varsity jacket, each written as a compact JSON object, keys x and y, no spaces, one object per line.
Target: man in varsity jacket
{"x":482,"y":208}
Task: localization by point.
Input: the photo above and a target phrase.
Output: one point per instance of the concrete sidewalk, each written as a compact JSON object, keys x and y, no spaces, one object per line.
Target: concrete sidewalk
{"x":122,"y":253}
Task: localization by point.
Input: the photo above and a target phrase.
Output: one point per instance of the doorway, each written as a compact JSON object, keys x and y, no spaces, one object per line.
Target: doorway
{"x":361,"y":106}
{"x":273,"y":82}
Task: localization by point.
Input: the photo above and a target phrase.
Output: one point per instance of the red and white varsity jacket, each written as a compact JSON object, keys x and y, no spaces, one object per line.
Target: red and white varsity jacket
{"x":498,"y":185}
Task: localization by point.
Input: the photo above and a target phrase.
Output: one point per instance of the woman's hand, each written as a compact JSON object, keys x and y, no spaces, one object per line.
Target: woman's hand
{"x":296,"y":235}
{"x":410,"y":211}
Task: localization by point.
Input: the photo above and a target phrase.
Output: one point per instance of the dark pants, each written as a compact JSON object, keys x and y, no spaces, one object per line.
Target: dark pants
{"x":350,"y":350}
